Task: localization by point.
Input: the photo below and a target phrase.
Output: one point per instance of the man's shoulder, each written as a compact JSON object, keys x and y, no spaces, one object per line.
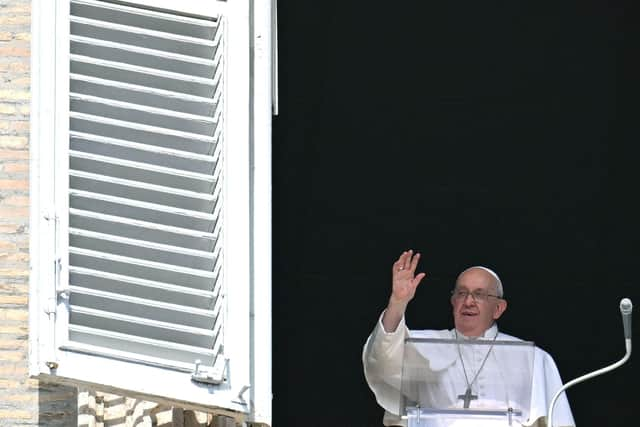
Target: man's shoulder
{"x":507,"y":337}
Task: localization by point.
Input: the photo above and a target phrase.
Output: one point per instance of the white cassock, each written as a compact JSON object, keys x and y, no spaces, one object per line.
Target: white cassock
{"x":383,"y":358}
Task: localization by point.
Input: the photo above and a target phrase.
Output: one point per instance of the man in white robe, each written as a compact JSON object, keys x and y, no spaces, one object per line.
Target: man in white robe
{"x":477,"y":302}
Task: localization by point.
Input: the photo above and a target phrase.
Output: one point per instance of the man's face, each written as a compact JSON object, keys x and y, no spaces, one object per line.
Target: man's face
{"x":474,"y":316}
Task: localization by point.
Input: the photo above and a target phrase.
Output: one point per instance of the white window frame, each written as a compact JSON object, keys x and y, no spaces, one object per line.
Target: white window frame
{"x":247,"y":220}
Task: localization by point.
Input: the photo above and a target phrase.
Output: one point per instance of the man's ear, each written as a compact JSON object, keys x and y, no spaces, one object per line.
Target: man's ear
{"x":500,"y":308}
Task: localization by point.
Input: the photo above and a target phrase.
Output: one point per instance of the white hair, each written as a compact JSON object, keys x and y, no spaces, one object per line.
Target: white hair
{"x":499,"y":289}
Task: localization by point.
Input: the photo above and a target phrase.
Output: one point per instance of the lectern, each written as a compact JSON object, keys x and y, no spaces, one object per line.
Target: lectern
{"x":466,"y":382}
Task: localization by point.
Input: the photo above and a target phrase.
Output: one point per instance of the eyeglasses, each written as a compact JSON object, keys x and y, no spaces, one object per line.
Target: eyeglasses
{"x":478,"y":296}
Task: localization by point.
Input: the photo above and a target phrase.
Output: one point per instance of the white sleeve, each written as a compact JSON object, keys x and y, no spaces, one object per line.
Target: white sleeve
{"x":546,"y":383}
{"x":382,"y":360}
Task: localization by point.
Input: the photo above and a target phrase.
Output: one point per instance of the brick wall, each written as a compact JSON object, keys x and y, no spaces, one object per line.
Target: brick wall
{"x":23,"y":401}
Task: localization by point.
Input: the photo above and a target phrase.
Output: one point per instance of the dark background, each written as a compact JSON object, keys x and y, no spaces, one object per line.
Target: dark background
{"x":496,"y":133}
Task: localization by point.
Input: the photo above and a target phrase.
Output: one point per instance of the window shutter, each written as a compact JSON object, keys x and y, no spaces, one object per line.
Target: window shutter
{"x":150,"y":201}
{"x":145,"y":202}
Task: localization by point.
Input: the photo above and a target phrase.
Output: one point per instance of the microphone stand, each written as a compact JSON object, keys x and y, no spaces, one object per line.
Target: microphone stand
{"x":590,"y":375}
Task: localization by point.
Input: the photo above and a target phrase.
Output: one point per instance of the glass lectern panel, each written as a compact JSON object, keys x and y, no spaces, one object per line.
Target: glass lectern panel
{"x":460,"y":383}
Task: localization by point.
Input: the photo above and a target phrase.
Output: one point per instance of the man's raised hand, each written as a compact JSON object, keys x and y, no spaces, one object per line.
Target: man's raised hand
{"x":404,"y":284}
{"x":405,"y":281}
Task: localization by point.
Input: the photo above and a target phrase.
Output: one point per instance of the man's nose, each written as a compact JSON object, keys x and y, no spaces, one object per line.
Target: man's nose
{"x":469,"y":299}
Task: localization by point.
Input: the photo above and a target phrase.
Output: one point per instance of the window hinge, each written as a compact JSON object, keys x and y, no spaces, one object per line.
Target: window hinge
{"x":63,"y":293}
{"x":50,"y":215}
{"x":52,"y":302}
{"x":51,"y":306}
{"x":240,"y":398}
{"x":52,"y":365}
{"x":212,"y":375}
{"x":57,"y":266}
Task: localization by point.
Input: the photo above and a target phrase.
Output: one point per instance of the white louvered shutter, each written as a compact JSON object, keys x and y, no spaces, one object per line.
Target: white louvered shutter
{"x":150,"y":212}
{"x":145,"y":217}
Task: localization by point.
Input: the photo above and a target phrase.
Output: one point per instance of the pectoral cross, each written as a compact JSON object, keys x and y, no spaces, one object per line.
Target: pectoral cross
{"x":467,"y":397}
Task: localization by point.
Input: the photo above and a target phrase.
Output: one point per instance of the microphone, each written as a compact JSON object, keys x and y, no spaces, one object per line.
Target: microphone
{"x":625,"y":310}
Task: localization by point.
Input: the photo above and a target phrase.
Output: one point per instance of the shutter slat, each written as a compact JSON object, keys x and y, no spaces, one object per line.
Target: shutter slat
{"x":137,"y":346}
{"x":143,"y":192}
{"x":138,"y":210}
{"x":145,"y":18}
{"x":136,"y":229}
{"x":144,"y":134}
{"x":78,"y":332}
{"x":144,"y":289}
{"x":145,"y":76}
{"x":141,"y":172}
{"x":142,"y":249}
{"x":143,"y":269}
{"x":139,"y":326}
{"x":200,"y":319}
{"x":142,"y":95}
{"x":161,"y":118}
{"x":136,"y":36}
{"x":149,"y":58}
{"x":147,"y":327}
{"x":143,"y":153}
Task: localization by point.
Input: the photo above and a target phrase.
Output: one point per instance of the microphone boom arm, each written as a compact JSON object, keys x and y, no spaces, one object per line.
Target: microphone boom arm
{"x":625,"y":308}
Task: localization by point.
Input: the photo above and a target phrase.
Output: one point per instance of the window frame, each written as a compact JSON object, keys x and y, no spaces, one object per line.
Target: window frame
{"x":247,"y":219}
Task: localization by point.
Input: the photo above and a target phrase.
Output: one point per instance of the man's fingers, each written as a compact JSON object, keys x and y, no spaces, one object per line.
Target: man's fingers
{"x":414,"y":262}
{"x":401,"y":264}
{"x":407,"y":261}
{"x":410,"y":261}
{"x":418,"y":279}
{"x":407,"y":255}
